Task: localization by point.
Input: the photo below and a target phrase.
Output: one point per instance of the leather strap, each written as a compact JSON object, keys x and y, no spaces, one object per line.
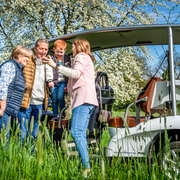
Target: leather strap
{"x":100,"y":96}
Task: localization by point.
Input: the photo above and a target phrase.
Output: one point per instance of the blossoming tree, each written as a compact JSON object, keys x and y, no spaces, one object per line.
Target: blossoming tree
{"x":22,"y":22}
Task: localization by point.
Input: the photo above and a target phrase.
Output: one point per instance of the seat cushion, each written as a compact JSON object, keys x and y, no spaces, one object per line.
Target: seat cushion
{"x":64,"y":124}
{"x":118,"y":121}
{"x":115,"y":122}
{"x":148,"y":92}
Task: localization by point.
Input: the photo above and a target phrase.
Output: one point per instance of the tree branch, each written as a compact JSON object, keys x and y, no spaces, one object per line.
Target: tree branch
{"x":43,"y":25}
{"x":119,"y":24}
{"x":6,"y":35}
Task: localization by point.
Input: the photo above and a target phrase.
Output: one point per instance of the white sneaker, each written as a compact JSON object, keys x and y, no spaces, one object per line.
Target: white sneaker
{"x":87,"y":173}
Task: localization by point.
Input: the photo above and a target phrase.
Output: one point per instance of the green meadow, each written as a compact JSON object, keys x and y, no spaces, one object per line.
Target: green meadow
{"x":43,"y":160}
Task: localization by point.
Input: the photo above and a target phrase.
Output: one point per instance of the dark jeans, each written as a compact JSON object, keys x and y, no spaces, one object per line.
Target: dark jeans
{"x":24,"y":119}
{"x":58,"y":97}
{"x":4,"y":120}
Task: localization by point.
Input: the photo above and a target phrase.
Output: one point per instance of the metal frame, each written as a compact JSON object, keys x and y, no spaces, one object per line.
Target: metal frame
{"x":171,"y":64}
{"x":127,"y":109}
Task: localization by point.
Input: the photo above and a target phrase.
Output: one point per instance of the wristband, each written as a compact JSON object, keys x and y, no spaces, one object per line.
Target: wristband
{"x":57,"y":66}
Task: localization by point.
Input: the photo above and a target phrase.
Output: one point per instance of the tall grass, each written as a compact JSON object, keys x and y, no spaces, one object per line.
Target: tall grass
{"x":42,"y":160}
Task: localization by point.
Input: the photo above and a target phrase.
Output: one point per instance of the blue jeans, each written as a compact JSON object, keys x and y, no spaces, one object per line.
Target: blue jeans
{"x":79,"y":124}
{"x":58,"y":97}
{"x":24,"y":119}
{"x":4,"y":120}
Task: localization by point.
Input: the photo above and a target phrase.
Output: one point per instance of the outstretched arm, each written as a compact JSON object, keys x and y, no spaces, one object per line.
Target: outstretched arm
{"x":68,"y":72}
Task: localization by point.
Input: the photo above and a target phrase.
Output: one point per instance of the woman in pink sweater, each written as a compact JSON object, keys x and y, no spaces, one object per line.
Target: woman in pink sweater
{"x":81,"y":88}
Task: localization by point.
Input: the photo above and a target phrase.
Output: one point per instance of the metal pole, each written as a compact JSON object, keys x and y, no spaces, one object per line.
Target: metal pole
{"x":171,"y":68}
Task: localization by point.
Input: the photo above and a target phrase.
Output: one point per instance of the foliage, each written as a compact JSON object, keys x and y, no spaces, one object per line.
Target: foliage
{"x":44,"y":160}
{"x":164,"y":72}
{"x":124,"y":71}
{"x":22,"y":22}
{"x":122,"y":106}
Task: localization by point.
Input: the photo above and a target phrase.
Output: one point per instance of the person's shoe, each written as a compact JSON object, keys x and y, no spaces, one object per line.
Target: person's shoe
{"x":87,"y":173}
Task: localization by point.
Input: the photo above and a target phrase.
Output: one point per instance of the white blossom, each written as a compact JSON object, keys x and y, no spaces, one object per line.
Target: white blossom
{"x":23,"y":21}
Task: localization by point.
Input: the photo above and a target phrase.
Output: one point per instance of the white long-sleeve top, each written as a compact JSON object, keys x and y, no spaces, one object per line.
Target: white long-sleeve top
{"x":68,"y":72}
{"x":38,"y":92}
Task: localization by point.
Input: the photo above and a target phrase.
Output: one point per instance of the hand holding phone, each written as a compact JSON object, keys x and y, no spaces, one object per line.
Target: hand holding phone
{"x":39,"y":61}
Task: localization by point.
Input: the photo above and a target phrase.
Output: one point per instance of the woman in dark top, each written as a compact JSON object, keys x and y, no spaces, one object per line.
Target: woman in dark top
{"x":12,"y":84}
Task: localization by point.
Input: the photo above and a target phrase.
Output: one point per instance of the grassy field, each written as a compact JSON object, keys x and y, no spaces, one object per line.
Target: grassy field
{"x":43,"y":160}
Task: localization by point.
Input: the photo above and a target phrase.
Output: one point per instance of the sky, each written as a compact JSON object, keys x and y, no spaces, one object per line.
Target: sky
{"x":157,"y":51}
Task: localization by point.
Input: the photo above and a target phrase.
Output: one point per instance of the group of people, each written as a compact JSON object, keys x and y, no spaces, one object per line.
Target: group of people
{"x":25,"y":81}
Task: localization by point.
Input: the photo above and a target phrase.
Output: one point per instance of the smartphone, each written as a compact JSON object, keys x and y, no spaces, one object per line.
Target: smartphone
{"x":39,"y":61}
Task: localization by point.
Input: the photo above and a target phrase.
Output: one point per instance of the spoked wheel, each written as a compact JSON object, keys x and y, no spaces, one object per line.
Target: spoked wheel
{"x":170,"y":160}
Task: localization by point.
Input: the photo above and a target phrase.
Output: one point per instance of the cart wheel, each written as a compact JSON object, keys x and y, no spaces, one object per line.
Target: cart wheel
{"x":170,"y":160}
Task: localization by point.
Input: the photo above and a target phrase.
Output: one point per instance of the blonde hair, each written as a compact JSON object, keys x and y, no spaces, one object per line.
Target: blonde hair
{"x":20,"y":50}
{"x":82,"y":45}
